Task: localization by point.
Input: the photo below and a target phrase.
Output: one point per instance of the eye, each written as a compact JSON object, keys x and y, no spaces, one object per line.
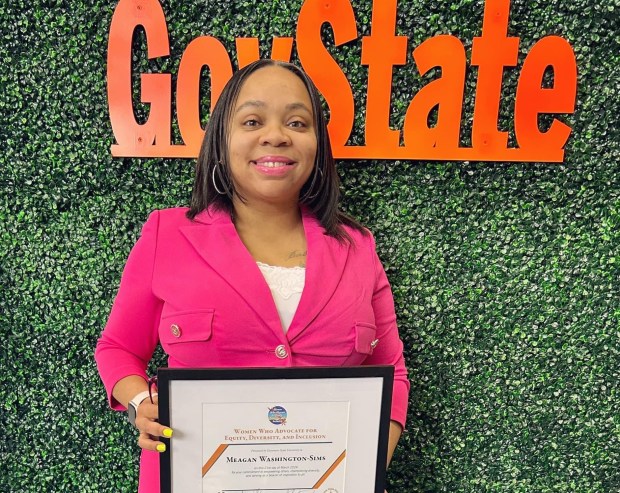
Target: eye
{"x":251,"y":122}
{"x":297,"y":124}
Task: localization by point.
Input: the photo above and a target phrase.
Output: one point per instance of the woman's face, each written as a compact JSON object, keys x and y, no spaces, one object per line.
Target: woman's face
{"x":272,"y":140}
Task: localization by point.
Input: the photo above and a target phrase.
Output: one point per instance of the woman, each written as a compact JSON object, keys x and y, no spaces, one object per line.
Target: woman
{"x":261,"y":271}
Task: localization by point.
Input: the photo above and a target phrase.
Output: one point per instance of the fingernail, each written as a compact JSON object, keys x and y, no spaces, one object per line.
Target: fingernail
{"x":167,"y":432}
{"x":161,"y":447}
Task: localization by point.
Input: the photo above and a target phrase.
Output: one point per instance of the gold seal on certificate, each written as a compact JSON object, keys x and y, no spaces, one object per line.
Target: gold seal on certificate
{"x":294,"y":430}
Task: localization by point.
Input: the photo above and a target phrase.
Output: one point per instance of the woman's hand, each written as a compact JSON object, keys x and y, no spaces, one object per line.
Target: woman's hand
{"x":150,"y":430}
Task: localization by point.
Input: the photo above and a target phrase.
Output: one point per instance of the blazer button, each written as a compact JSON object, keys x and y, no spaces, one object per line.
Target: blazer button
{"x":281,"y":351}
{"x":175,"y":330}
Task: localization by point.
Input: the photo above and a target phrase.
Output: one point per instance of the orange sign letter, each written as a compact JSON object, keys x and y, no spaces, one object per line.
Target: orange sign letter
{"x":381,"y":51}
{"x":209,"y":51}
{"x":532,"y":99}
{"x":321,"y":67}
{"x":446,"y":93}
{"x":491,"y":52}
{"x":132,"y":137}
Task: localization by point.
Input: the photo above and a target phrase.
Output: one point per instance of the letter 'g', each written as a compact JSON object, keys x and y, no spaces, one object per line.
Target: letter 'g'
{"x":156,"y":89}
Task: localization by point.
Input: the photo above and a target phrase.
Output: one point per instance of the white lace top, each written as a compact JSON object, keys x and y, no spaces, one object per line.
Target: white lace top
{"x":286,"y":285}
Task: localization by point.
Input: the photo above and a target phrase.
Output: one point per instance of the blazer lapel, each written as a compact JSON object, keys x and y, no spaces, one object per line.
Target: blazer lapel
{"x":325,"y":262}
{"x":214,"y":237}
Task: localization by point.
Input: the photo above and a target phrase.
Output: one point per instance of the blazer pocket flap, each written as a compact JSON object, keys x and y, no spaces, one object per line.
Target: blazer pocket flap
{"x":365,"y":340}
{"x":180,"y":327}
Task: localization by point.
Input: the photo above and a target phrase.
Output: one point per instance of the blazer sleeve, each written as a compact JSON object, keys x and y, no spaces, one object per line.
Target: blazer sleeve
{"x":130,"y":335}
{"x":389,"y":349}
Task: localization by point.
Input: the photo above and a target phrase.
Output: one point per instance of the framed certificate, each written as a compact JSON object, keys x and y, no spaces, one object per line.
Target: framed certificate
{"x":286,"y":430}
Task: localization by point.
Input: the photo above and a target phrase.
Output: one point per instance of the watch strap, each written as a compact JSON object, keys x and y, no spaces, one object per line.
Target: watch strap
{"x":138,"y":398}
{"x":132,"y":407}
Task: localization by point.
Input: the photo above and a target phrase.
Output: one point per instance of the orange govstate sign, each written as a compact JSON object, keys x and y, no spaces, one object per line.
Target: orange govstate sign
{"x":492,"y":52}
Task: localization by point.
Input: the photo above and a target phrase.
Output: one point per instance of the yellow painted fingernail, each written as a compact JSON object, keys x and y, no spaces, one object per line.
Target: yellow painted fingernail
{"x":167,"y":432}
{"x":161,"y":447}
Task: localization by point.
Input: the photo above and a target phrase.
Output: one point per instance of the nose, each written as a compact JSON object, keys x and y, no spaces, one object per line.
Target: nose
{"x":275,"y":135}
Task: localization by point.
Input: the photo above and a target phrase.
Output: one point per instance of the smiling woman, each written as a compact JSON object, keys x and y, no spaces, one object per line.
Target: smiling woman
{"x":272,"y":139}
{"x":300,"y":126}
{"x":262,"y":270}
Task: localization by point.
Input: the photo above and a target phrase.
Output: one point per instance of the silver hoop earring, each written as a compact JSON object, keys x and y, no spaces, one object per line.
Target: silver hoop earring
{"x":213,"y":180}
{"x":307,"y":197}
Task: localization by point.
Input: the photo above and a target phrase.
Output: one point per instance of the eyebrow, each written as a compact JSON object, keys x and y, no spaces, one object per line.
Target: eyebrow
{"x":260,"y":104}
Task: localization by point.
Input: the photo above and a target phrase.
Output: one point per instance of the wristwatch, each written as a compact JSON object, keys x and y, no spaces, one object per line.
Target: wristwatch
{"x":132,"y":408}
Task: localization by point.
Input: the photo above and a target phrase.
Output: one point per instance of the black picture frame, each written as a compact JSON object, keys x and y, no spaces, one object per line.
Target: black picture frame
{"x":167,"y":378}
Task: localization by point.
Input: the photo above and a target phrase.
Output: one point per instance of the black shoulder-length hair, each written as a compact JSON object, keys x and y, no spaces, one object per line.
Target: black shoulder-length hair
{"x":213,"y":184}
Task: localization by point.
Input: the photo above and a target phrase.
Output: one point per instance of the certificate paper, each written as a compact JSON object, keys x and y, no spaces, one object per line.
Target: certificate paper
{"x":261,"y":446}
{"x":267,"y":430}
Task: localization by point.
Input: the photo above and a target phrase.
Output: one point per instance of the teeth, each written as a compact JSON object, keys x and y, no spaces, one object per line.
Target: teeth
{"x":272,"y":164}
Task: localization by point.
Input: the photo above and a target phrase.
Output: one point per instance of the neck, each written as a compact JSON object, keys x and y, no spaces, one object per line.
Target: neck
{"x":272,"y":235}
{"x":266,"y":218}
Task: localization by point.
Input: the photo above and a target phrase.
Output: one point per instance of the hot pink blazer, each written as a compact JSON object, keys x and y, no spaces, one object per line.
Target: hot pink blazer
{"x":193,"y":287}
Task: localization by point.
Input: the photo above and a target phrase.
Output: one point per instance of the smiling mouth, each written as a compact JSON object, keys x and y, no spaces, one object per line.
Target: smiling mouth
{"x":273,"y":164}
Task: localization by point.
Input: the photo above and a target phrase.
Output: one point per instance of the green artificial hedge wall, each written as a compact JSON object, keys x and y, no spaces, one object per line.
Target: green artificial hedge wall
{"x":506,"y":276}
